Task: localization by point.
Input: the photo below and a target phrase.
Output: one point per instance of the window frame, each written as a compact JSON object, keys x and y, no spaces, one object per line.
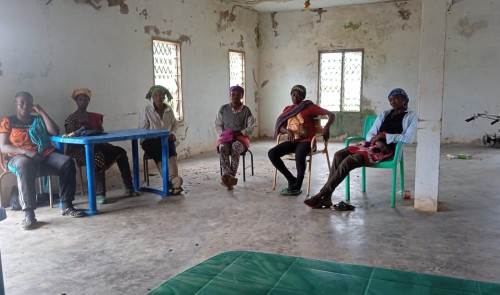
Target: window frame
{"x":243,"y":70}
{"x":342,"y":85}
{"x":177,"y":44}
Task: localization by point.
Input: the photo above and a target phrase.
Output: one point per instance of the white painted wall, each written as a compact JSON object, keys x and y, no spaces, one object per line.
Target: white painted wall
{"x":472,"y":65}
{"x":49,"y":50}
{"x":289,"y":56}
{"x":291,"y":43}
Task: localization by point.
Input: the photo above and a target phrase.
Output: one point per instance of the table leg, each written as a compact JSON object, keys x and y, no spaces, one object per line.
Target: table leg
{"x":89,"y":153}
{"x":135,"y":164}
{"x":164,"y":144}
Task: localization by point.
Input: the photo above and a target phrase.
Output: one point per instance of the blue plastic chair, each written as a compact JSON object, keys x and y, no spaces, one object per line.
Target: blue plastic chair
{"x":392,"y":164}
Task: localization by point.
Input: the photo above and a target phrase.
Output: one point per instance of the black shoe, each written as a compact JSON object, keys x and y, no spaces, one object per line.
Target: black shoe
{"x":72,"y":212}
{"x":28,"y":223}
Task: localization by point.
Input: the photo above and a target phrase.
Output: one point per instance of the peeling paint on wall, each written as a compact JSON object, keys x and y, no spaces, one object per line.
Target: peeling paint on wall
{"x":144,"y":13}
{"x":151,"y":29}
{"x":185,"y":39}
{"x":240,"y":43}
{"x":111,"y":3}
{"x":264,"y":83}
{"x":319,"y":12}
{"x":258,"y":40}
{"x":121,"y":3}
{"x":466,"y":29}
{"x":274,"y":24}
{"x":226,"y":19}
{"x":352,"y":26}
{"x":404,"y":14}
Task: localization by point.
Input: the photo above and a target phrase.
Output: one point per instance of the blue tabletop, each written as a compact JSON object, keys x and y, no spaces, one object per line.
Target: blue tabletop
{"x":117,"y":135}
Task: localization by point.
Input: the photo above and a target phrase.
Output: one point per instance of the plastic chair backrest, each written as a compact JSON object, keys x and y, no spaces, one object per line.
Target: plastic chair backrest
{"x":369,"y":120}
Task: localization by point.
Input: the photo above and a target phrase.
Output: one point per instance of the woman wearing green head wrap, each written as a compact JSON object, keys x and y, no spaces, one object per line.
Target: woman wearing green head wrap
{"x":158,"y":115}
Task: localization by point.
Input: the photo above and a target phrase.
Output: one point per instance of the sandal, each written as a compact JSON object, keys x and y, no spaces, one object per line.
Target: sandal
{"x":290,"y":192}
{"x":72,"y":212}
{"x":343,"y":206}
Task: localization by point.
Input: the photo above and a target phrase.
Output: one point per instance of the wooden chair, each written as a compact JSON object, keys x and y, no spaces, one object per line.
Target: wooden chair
{"x":314,"y":142}
{"x":243,"y":160}
{"x":392,"y":164}
{"x":40,"y":180}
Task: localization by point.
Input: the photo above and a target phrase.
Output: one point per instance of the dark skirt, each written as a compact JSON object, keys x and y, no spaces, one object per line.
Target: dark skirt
{"x":152,"y":147}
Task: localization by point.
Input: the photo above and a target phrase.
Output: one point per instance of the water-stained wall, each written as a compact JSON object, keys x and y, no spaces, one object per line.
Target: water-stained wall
{"x":52,"y":47}
{"x":472,"y":69}
{"x":389,"y":34}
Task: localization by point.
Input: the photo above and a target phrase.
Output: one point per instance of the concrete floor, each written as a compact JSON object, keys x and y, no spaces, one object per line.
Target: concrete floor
{"x":137,"y":243}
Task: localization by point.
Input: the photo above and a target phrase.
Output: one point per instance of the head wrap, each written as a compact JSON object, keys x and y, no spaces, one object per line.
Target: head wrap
{"x":300,"y":89}
{"x":154,"y":88}
{"x":400,"y":92}
{"x":78,"y":91}
{"x":237,"y":87}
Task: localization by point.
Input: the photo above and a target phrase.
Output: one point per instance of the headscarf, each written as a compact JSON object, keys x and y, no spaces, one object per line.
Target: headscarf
{"x":154,"y":88}
{"x":300,"y":89}
{"x":78,"y":91}
{"x":237,"y":87}
{"x":400,"y":92}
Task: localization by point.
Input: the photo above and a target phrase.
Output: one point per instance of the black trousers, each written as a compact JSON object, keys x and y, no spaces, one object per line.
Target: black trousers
{"x":301,"y":150}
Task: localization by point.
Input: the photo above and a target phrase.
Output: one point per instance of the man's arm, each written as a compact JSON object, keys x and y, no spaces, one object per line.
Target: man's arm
{"x":52,"y":127}
{"x":7,"y":147}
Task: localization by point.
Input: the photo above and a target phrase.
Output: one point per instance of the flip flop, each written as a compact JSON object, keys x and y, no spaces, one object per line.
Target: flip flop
{"x":343,"y":206}
{"x":288,"y":192}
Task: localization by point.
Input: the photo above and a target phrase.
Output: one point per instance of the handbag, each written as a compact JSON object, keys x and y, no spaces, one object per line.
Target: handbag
{"x":227,"y":135}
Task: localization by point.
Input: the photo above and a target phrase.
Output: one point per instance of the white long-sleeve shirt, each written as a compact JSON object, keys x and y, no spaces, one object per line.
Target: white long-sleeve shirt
{"x":410,"y":121}
{"x":150,"y":119}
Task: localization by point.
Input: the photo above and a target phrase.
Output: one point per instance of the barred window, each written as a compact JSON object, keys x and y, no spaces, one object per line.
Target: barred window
{"x":340,"y":80}
{"x":167,"y":71}
{"x":237,"y":69}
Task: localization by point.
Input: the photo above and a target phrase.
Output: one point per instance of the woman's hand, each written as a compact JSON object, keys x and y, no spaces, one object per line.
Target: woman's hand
{"x":326,"y":133}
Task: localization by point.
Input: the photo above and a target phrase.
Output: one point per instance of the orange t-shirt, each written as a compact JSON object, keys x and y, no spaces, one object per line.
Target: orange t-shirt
{"x":19,"y":134}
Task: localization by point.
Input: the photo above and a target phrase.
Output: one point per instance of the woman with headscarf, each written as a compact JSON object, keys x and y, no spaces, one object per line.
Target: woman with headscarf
{"x":105,"y":154}
{"x":159,"y":115}
{"x":297,"y":122}
{"x":398,"y":124}
{"x":234,"y":125}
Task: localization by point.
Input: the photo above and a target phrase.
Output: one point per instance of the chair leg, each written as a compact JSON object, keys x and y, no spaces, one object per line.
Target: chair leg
{"x":347,"y":188}
{"x":393,"y":189}
{"x":309,"y":176}
{"x":81,"y":179}
{"x":146,"y":171}
{"x":251,"y":160}
{"x":274,"y":179}
{"x":363,"y":179}
{"x":402,"y":174}
{"x":50,"y":192}
{"x":243,"y":157}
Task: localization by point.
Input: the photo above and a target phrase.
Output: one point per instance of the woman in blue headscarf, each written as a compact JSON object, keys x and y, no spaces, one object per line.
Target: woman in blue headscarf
{"x":398,"y":124}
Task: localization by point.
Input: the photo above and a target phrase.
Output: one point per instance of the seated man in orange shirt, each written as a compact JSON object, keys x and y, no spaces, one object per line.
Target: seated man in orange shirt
{"x":26,"y":140}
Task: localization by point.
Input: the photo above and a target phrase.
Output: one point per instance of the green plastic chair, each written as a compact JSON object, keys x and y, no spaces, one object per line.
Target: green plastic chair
{"x":393,"y":164}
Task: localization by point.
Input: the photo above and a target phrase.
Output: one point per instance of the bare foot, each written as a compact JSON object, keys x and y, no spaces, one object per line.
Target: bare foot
{"x":312,"y":201}
{"x":319,"y":201}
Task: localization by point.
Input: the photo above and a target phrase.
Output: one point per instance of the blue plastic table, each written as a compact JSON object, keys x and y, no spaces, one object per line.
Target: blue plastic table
{"x":118,"y":135}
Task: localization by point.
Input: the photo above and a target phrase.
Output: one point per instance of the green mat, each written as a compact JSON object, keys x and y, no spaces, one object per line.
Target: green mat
{"x":243,"y":272}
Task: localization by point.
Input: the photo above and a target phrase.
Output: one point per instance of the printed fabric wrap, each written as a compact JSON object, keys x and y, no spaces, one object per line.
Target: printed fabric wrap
{"x":370,"y":152}
{"x":291,"y":113}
